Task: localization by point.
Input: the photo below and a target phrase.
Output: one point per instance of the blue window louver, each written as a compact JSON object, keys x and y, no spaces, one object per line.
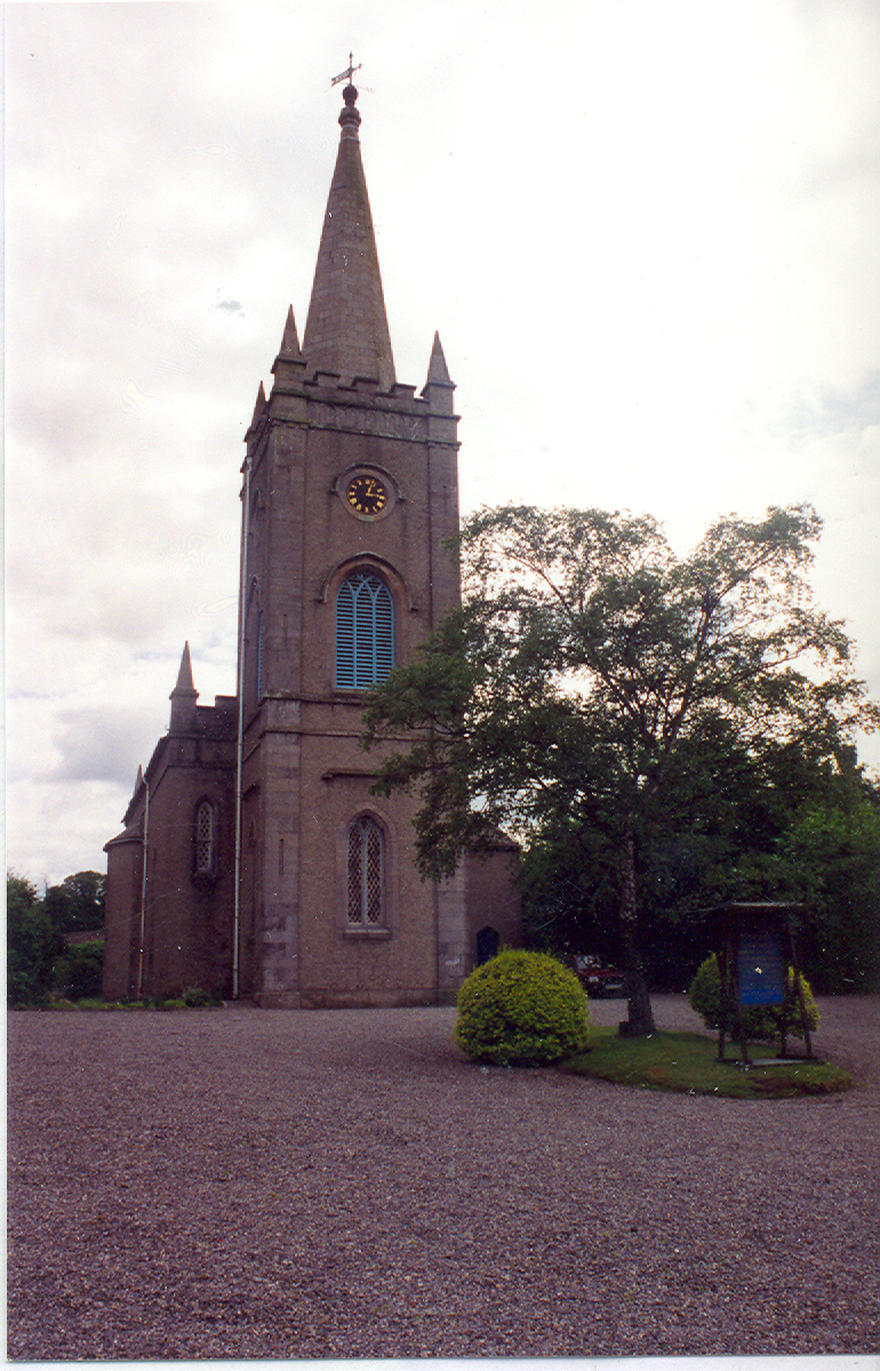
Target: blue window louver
{"x":364,"y":631}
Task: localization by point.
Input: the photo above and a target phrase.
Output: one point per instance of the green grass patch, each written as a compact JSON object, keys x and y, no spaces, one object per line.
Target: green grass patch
{"x":92,"y":1003}
{"x":688,"y":1063}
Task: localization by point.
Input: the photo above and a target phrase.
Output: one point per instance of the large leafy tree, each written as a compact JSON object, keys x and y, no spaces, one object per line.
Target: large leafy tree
{"x":593,"y":674}
{"x":78,"y":902}
{"x":782,"y":825}
{"x":829,"y":856}
{"x":32,"y":943}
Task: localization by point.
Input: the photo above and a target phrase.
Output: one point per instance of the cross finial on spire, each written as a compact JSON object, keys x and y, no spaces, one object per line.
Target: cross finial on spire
{"x":348,"y":73}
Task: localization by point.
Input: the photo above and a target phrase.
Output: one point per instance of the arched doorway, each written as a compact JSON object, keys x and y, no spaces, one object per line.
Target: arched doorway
{"x":487,"y":944}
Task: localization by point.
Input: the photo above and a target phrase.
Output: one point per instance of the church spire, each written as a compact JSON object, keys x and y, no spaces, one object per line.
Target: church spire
{"x":439,"y":386}
{"x":438,"y":372}
{"x":347,"y":329}
{"x":290,"y":340}
{"x":184,"y":695}
{"x":185,"y":684}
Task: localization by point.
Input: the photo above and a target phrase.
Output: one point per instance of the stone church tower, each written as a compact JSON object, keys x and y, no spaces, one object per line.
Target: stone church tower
{"x":254,"y":859}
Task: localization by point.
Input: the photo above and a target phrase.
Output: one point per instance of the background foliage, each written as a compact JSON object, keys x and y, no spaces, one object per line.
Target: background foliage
{"x":794,"y":829}
{"x":39,"y":959}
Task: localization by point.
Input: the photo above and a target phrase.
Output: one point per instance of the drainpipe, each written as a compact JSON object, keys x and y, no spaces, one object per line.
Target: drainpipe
{"x":143,"y":916}
{"x":239,"y":751}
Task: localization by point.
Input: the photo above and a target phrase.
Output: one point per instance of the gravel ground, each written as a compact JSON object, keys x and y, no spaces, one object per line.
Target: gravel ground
{"x":242,"y":1183}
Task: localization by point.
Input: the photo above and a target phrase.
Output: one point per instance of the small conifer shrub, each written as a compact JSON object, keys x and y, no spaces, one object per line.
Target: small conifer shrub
{"x":194,"y":997}
{"x":521,"y":1008}
{"x":759,"y":1021}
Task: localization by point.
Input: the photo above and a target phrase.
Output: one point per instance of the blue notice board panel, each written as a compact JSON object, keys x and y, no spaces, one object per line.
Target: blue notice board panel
{"x":761,"y":967}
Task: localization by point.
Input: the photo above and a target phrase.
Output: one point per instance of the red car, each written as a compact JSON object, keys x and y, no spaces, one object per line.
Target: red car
{"x":599,"y":981}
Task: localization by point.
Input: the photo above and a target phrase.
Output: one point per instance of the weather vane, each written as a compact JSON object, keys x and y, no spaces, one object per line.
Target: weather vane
{"x":348,"y":73}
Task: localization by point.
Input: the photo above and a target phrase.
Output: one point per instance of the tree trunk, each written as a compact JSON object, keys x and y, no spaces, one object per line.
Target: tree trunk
{"x":641,"y":1019}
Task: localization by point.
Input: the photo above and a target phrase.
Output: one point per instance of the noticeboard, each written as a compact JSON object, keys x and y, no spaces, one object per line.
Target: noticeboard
{"x":755,"y":946}
{"x":761,"y":966}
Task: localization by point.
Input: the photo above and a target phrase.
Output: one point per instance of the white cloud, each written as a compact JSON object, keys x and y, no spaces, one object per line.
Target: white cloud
{"x":95,"y":744}
{"x":646,"y":233}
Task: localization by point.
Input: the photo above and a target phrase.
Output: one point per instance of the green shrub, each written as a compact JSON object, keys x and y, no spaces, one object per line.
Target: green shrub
{"x":521,"y":1008}
{"x":77,"y":974}
{"x":197,"y":998}
{"x":759,"y":1021}
{"x":32,"y":944}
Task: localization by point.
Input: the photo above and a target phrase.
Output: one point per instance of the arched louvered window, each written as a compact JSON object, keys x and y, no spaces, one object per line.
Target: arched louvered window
{"x":366,"y":874}
{"x":364,"y":631}
{"x":260,"y":655}
{"x":204,"y":839}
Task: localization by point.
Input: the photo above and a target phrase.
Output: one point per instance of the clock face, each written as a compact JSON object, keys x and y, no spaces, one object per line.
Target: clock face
{"x":366,"y":495}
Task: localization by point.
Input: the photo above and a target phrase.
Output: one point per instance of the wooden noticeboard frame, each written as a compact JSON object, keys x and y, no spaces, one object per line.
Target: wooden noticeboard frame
{"x":755,"y":945}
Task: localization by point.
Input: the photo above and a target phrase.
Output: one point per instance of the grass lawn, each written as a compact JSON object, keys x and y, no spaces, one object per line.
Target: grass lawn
{"x":688,"y":1062}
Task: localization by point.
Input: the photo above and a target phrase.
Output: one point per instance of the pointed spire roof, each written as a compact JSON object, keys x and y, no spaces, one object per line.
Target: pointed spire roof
{"x":183,"y":696}
{"x":185,"y":685}
{"x":437,"y":368}
{"x":260,"y":404}
{"x":347,"y":328}
{"x":290,"y":341}
{"x":439,"y":386}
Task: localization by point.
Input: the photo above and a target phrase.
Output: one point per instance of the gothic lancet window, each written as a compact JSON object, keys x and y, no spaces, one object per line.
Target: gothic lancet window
{"x":366,"y":874}
{"x":364,"y":631}
{"x":204,"y":839}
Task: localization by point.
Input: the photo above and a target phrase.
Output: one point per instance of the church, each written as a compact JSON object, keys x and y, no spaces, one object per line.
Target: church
{"x":254,"y":862}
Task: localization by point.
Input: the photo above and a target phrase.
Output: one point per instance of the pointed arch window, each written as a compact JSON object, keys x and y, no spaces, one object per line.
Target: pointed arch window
{"x":364,"y":631}
{"x":366,"y":874}
{"x":204,"y":839}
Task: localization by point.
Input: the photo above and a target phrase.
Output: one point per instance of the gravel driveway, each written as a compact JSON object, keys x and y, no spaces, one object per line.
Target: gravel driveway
{"x":243,"y":1183}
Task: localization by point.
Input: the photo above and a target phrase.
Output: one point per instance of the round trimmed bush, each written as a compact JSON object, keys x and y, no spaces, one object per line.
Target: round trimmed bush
{"x":760,"y":1021}
{"x":521,"y":1008}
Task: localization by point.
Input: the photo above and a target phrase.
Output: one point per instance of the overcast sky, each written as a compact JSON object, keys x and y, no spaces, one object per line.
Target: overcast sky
{"x":647,"y":233}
